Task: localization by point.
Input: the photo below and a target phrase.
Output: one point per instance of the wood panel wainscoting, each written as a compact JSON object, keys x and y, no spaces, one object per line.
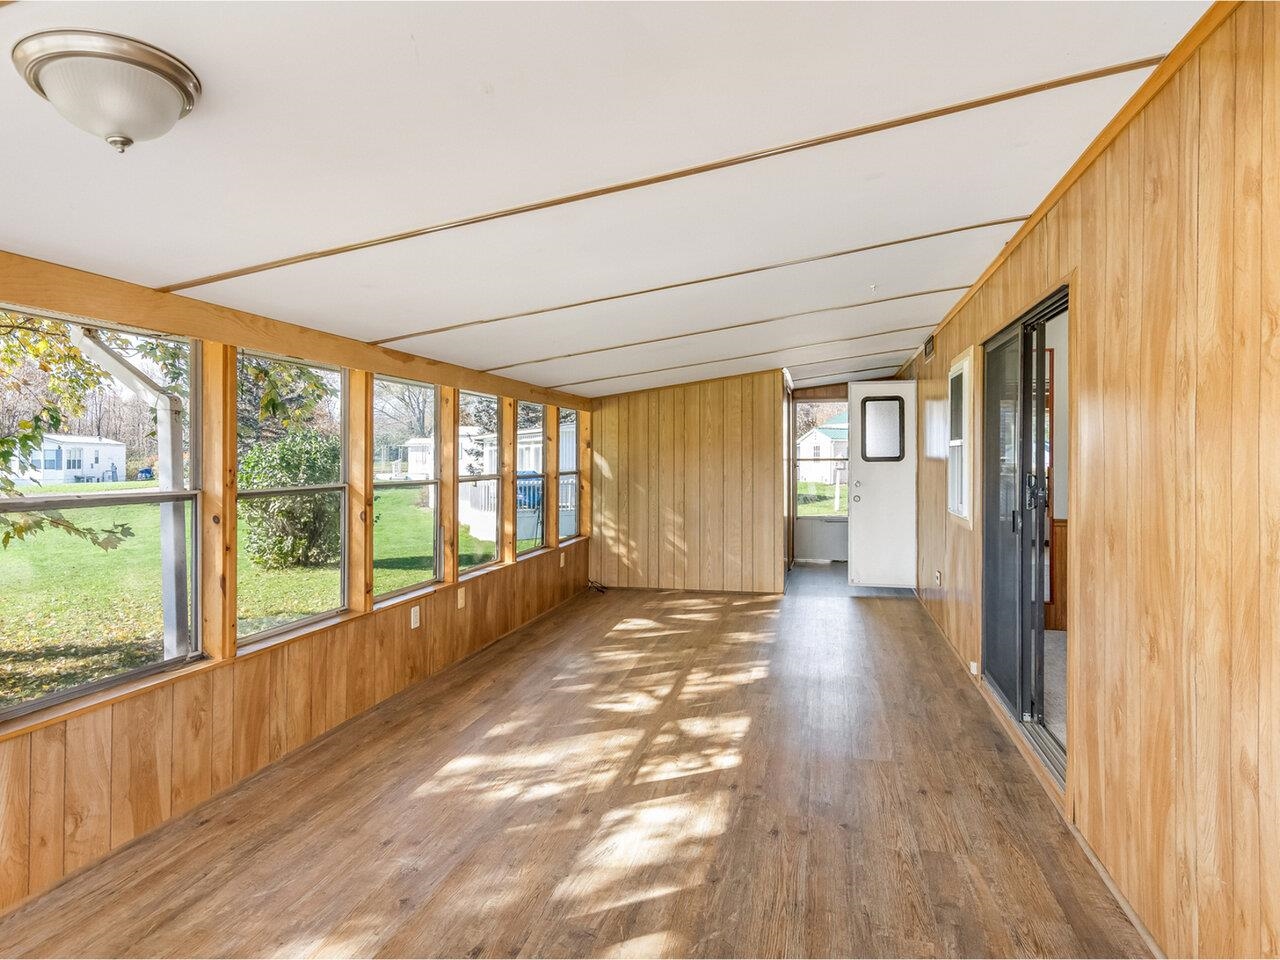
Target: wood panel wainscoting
{"x":80,"y":786}
{"x":688,"y":485}
{"x":1167,"y":232}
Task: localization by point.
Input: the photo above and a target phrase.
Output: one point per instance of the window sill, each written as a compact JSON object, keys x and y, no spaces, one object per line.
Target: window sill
{"x":580,"y":538}
{"x":480,"y":571}
{"x":287,"y":635}
{"x":536,"y":552}
{"x":408,"y":596}
{"x":124,"y":690}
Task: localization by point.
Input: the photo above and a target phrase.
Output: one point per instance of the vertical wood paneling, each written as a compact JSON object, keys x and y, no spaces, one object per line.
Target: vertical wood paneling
{"x":141,"y":763}
{"x":87,"y":803}
{"x":48,"y":797}
{"x":730,"y":483}
{"x":689,"y":486}
{"x":15,"y":819}
{"x":1269,"y":513}
{"x":1213,"y":493}
{"x":1170,"y":239}
{"x":1246,"y":313}
{"x":221,"y":761}
{"x":192,"y":742}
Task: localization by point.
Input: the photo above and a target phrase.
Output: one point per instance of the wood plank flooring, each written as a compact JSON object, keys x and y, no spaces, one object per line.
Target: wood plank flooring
{"x":639,"y":773}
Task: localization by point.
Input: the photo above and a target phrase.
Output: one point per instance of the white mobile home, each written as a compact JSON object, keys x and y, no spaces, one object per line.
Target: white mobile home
{"x":68,"y":458}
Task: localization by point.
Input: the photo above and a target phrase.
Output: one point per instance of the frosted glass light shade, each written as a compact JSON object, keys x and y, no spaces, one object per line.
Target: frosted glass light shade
{"x":110,"y":98}
{"x":117,"y":88}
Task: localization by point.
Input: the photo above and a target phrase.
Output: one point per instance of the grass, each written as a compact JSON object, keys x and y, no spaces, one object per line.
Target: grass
{"x":815,"y":499}
{"x":71,"y":613}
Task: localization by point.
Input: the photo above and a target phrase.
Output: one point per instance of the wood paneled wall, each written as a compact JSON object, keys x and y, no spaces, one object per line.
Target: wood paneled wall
{"x":75,"y":789}
{"x":1170,"y":241}
{"x":688,"y":484}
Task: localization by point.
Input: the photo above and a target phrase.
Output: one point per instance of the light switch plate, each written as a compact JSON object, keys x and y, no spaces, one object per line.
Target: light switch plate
{"x":462,"y":597}
{"x":937,"y":578}
{"x":415,"y":617}
{"x":562,"y":559}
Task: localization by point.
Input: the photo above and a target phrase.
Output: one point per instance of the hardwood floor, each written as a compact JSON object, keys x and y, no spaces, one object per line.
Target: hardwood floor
{"x":636,"y":774}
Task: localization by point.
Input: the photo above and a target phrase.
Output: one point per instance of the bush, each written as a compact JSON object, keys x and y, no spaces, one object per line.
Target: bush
{"x":297,"y":530}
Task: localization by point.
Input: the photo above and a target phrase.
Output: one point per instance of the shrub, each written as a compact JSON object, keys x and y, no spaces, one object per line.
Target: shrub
{"x":298,"y":530}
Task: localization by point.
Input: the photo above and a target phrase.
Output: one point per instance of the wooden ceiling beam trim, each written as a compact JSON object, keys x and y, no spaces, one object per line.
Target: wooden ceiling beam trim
{"x":800,"y":384}
{"x":47,"y":289}
{"x":799,"y":261}
{"x":741,"y":326}
{"x":681,"y":174}
{"x":750,"y":356}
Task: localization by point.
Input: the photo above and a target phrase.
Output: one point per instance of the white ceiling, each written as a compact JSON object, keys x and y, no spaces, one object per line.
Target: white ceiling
{"x":331,"y":124}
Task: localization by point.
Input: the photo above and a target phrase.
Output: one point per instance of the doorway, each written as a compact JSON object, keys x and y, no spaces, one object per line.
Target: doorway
{"x":1025,"y":524}
{"x":821,"y":487}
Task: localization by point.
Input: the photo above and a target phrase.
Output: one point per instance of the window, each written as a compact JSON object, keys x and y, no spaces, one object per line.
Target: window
{"x":75,"y":458}
{"x":959,"y":468}
{"x":406,"y":488}
{"x":883,"y":429}
{"x":570,"y":490}
{"x":531,"y":480}
{"x":291,"y":506}
{"x":822,"y":482}
{"x":97,"y":578}
{"x":479,"y":489}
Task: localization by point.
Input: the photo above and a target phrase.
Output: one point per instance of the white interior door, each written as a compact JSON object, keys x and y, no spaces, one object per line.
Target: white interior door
{"x":882,"y":484}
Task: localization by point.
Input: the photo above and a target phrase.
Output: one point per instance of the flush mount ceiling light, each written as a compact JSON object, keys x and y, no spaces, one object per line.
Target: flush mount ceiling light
{"x":119,"y":89}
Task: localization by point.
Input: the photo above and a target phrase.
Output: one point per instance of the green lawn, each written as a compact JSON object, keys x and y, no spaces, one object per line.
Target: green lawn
{"x":819,"y":499}
{"x":71,"y":613}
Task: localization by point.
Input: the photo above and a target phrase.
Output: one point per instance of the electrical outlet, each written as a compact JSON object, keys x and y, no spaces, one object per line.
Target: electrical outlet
{"x":415,"y":617}
{"x":937,"y":578}
{"x":973,"y":667}
{"x":561,"y":559}
{"x":462,"y":597}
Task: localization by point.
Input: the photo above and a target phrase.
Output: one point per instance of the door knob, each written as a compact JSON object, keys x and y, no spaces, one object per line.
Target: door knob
{"x":857,"y":499}
{"x":857,"y":483}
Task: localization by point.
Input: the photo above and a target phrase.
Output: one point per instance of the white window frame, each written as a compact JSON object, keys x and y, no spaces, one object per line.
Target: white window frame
{"x":962,"y":366}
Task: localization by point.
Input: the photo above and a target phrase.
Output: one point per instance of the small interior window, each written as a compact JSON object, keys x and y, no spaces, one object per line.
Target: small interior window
{"x":883,"y":435}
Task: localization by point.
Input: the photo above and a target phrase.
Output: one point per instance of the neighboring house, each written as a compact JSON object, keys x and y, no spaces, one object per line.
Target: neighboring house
{"x":67,"y":458}
{"x":828,"y":445}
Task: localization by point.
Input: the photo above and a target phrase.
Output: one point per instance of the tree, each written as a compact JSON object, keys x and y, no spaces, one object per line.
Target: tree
{"x":275,"y":396}
{"x":43,"y":378}
{"x":299,"y":529}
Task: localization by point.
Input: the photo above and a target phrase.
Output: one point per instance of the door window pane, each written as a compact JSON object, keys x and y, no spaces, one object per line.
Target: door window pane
{"x":882,"y":428}
{"x":822,"y":494}
{"x":822,"y":429}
